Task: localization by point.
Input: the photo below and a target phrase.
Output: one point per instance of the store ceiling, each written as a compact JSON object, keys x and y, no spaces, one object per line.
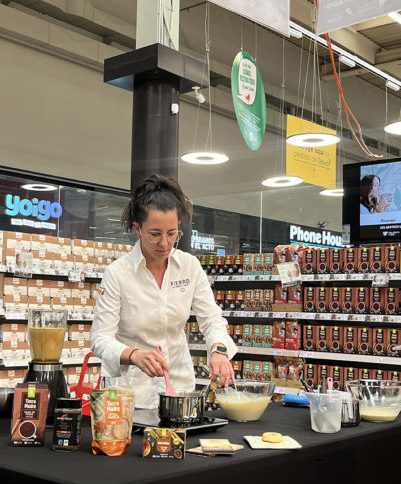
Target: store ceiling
{"x":236,"y":185}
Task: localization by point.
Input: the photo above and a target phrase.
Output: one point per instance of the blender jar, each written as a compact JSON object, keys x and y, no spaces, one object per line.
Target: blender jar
{"x":46,"y":333}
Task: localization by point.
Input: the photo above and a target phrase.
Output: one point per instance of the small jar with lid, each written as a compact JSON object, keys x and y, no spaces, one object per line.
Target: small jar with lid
{"x":67,"y":424}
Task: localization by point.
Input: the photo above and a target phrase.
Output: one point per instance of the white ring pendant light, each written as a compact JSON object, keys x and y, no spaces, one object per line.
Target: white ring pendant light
{"x":205,"y":158}
{"x":333,"y":192}
{"x":311,"y":140}
{"x":39,"y":187}
{"x":282,"y":181}
{"x":393,"y":128}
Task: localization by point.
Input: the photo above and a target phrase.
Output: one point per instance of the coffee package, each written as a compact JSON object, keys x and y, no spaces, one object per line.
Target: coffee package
{"x":391,"y":300}
{"x":363,"y":264}
{"x":307,"y":260}
{"x":337,"y":374}
{"x":350,"y":340}
{"x":376,"y":300}
{"x":336,"y":261}
{"x":364,"y":341}
{"x":29,"y":414}
{"x":376,"y":259}
{"x":322,"y":296}
{"x":294,"y":294}
{"x":379,"y":341}
{"x":365,"y":374}
{"x":335,"y":302}
{"x":393,"y":339}
{"x":350,"y":374}
{"x":336,"y":339}
{"x":323,"y":261}
{"x":350,"y":260}
{"x":322,"y":338}
{"x":309,"y":337}
{"x":378,"y":374}
{"x":362,"y":300}
{"x":292,"y":335}
{"x":348,"y":299}
{"x":279,"y":334}
{"x":392,"y":258}
{"x":310,"y":299}
{"x":310,"y":375}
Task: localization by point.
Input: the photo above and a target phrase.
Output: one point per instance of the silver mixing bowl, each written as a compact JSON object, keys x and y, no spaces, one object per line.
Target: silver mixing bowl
{"x":6,"y":401}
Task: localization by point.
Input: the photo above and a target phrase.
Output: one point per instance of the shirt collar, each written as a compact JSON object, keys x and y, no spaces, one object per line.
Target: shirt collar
{"x":138,"y":258}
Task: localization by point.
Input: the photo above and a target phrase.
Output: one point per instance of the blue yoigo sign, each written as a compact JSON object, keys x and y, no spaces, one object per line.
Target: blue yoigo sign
{"x":40,"y":209}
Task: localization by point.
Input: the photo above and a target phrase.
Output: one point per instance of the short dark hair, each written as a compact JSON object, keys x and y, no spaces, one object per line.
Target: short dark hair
{"x":160,"y":193}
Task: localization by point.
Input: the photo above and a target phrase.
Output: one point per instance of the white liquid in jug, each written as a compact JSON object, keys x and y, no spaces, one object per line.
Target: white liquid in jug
{"x":46,"y":344}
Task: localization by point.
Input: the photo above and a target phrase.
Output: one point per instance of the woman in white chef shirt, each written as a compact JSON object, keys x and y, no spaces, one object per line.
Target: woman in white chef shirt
{"x":145,"y":299}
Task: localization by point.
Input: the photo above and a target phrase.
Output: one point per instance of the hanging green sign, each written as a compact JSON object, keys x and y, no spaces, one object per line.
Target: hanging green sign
{"x":249,"y":99}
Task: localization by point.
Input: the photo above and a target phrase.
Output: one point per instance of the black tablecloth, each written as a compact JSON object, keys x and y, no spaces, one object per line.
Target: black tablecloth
{"x":362,"y":454}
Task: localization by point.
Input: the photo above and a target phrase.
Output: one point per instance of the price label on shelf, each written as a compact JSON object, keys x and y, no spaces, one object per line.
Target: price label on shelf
{"x":395,"y":277}
{"x":226,"y":313}
{"x":380,"y":280}
{"x":250,"y":314}
{"x":223,"y":278}
{"x":324,"y":277}
{"x":308,"y":277}
{"x":279,"y":315}
{"x":379,"y":359}
{"x":311,"y":315}
{"x":325,"y":316}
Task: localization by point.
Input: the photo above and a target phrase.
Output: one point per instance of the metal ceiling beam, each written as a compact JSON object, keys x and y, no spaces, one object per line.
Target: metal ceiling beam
{"x":302,"y":12}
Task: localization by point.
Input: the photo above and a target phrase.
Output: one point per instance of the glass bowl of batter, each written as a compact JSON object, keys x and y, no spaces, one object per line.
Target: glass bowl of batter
{"x":379,"y":400}
{"x":246,"y":401}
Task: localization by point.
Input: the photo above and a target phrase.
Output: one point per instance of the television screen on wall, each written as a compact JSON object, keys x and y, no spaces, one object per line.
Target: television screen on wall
{"x":372,"y":201}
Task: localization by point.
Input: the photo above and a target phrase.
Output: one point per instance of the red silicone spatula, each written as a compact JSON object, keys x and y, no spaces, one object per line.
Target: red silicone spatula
{"x":169,"y":389}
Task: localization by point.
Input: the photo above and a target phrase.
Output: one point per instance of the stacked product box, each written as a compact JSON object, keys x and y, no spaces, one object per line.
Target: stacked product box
{"x":59,"y":254}
{"x":351,"y":340}
{"x":257,"y":335}
{"x":314,"y":260}
{"x":286,"y":335}
{"x":358,"y":300}
{"x":313,"y":374}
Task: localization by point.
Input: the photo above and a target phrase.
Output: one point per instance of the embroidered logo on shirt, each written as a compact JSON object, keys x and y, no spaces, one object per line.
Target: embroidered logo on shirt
{"x":182,"y":283}
{"x":101,"y":291}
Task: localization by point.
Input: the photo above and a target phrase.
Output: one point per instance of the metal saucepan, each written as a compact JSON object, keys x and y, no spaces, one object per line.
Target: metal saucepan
{"x":186,"y":408}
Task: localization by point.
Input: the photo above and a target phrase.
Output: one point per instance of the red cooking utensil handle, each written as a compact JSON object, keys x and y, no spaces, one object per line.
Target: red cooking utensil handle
{"x":84,"y":366}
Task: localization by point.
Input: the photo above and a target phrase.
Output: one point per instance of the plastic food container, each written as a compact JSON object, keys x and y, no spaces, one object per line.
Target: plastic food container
{"x":246,"y":402}
{"x":379,"y":400}
{"x":325,"y":411}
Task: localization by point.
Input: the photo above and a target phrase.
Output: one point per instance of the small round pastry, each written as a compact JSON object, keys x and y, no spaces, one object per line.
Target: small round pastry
{"x":273,"y":437}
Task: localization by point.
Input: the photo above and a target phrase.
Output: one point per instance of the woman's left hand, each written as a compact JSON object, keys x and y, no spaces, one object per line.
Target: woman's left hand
{"x":220,"y":366}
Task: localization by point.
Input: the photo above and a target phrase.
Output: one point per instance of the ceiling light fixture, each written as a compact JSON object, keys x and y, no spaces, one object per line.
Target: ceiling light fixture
{"x":333,"y":192}
{"x":282,"y":181}
{"x":310,"y":140}
{"x":205,"y":158}
{"x":395,"y":16}
{"x":295,"y":33}
{"x":114,"y":219}
{"x":39,"y":187}
{"x":346,"y":60}
{"x":338,"y":50}
{"x":393,"y":128}
{"x":392,"y":85}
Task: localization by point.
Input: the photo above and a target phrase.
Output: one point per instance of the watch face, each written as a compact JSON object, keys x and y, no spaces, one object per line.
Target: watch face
{"x":221,"y":349}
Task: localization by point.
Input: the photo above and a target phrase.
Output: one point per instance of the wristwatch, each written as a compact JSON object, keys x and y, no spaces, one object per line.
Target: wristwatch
{"x":219,"y":349}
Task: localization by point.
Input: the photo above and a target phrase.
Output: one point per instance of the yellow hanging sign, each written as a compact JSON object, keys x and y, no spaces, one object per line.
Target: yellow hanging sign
{"x":316,"y":166}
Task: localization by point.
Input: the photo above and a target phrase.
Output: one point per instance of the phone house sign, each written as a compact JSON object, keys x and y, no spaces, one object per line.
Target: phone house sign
{"x":307,"y":236}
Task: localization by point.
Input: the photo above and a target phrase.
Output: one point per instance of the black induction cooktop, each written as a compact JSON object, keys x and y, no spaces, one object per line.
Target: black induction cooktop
{"x":150,"y":418}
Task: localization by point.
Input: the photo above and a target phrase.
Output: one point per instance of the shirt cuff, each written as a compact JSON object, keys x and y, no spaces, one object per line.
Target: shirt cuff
{"x":111,"y":366}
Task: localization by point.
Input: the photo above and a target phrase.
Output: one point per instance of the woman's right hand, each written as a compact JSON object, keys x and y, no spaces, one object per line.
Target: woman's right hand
{"x":150,"y":362}
{"x":384,"y":202}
